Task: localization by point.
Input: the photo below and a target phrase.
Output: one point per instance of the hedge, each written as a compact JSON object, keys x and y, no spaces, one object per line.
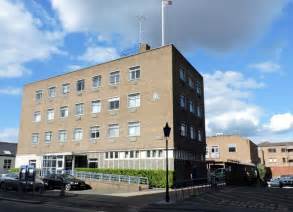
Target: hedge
{"x":157,"y":178}
{"x":14,"y":170}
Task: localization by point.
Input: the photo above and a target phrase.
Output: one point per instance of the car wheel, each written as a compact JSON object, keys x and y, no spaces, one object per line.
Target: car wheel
{"x":67,"y":187}
{"x":281,"y":185}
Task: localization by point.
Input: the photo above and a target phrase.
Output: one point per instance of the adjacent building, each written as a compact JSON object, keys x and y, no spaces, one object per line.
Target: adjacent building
{"x":7,"y":156}
{"x":277,"y":156}
{"x":111,"y":115}
{"x":231,"y":148}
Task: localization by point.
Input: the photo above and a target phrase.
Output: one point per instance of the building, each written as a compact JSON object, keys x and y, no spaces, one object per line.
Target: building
{"x":277,"y":156}
{"x":231,"y":148}
{"x":111,"y":115}
{"x":7,"y":156}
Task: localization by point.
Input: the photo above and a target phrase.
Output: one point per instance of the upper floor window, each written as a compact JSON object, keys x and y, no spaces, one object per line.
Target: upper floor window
{"x":113,"y":130}
{"x":77,"y":134}
{"x":37,"y":116}
{"x":50,"y":114}
{"x":95,"y":132}
{"x":272,"y":150}
{"x":80,"y":85}
{"x":198,"y":88}
{"x":283,"y":150}
{"x":62,"y":136}
{"x":133,"y":100}
{"x":65,"y":88}
{"x":134,"y":129}
{"x":114,"y":103}
{"x":35,"y":138}
{"x":182,"y":101}
{"x":96,"y":106}
{"x":97,"y":81}
{"x":232,"y":147}
{"x":190,"y":83}
{"x":79,"y":109}
{"x":114,"y":77}
{"x":182,"y":75}
{"x":64,"y":112}
{"x":183,"y":129}
{"x":199,"y":111}
{"x":191,"y":106}
{"x":199,"y":135}
{"x":134,"y":73}
{"x":48,"y":137}
{"x":192,"y":133}
{"x":52,"y":92}
{"x":39,"y":95}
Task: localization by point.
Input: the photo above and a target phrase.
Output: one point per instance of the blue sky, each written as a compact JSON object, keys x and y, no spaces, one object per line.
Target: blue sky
{"x":243,"y":48}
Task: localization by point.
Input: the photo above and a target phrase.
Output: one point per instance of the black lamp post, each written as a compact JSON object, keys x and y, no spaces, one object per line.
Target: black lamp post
{"x":167,"y":131}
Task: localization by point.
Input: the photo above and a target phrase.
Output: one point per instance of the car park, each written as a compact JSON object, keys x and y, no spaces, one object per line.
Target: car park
{"x":59,"y":181}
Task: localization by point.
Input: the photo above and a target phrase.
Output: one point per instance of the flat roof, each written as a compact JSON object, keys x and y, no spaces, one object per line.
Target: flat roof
{"x":270,"y":144}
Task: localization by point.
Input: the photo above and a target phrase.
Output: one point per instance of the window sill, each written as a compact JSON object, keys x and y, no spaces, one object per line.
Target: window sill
{"x":133,"y":109}
{"x":134,"y":81}
{"x":96,"y":89}
{"x":113,"y":112}
{"x":132,"y":138}
{"x":94,"y":140}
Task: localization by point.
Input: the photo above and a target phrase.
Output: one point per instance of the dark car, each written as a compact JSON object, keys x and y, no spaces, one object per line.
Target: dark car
{"x":59,"y":181}
{"x":11,"y":181}
{"x":285,"y":180}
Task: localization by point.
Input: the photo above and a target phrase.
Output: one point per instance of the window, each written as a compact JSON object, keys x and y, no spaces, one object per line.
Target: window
{"x":50,"y":114}
{"x":160,"y":154}
{"x":182,"y":101}
{"x":93,"y":163}
{"x":37,"y":116}
{"x":97,"y":81}
{"x":80,"y":85}
{"x":131,"y":154}
{"x":198,"y":88}
{"x":62,"y":137}
{"x":39,"y":95}
{"x":79,"y":109}
{"x":190,"y":83}
{"x":148,"y":153}
{"x":191,"y":106}
{"x":114,"y":103}
{"x":283,"y":149}
{"x":192,"y":133}
{"x":133,"y":129}
{"x":64,"y":112}
{"x":126,"y":154}
{"x":182,"y":74}
{"x":114,"y":77}
{"x":133,"y":100}
{"x":183,"y":129}
{"x":77,"y":134}
{"x":35,"y":138}
{"x":65,"y":88}
{"x":272,"y":150}
{"x":48,"y":137}
{"x":198,"y":111}
{"x":199,"y":135}
{"x":96,"y":106}
{"x":52,"y":92}
{"x":284,"y":160}
{"x":95,"y":132}
{"x":232,"y":147}
{"x":136,"y":154}
{"x":113,"y":130}
{"x":7,"y":164}
{"x":134,"y":73}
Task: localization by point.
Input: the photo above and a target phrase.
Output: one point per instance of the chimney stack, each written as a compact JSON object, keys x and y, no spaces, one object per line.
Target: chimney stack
{"x":143,"y":47}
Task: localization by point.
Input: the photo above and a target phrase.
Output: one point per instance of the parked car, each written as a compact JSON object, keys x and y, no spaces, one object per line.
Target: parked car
{"x":11,"y":181}
{"x":285,"y":180}
{"x":59,"y":181}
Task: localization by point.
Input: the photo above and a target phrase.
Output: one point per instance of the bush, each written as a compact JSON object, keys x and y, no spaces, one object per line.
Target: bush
{"x":157,"y":178}
{"x":14,"y":170}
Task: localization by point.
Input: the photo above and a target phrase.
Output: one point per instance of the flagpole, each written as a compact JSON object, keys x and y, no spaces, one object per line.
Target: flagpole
{"x":163,"y":23}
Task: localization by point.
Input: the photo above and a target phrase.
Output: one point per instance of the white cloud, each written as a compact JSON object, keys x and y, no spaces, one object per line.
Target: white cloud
{"x":219,"y":25}
{"x":9,"y":134}
{"x":266,"y":67}
{"x":228,"y":110}
{"x":21,"y":40}
{"x":73,"y":68}
{"x":97,"y":54}
{"x":10,"y":91}
{"x":280,"y":123}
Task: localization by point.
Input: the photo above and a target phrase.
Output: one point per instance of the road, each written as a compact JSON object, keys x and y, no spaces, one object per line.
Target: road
{"x":248,"y":199}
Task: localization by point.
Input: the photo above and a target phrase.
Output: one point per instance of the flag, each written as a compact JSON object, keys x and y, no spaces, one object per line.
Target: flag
{"x":167,"y":2}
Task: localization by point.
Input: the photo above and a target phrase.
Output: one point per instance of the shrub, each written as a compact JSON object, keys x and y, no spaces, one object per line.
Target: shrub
{"x":14,"y":170}
{"x":157,"y":178}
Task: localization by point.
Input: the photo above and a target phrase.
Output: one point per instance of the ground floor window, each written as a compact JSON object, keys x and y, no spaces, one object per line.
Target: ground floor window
{"x":32,"y":163}
{"x":93,"y":163}
{"x":7,"y":163}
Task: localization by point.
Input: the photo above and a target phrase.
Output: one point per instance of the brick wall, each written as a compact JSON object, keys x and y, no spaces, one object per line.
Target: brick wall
{"x":285,"y":170}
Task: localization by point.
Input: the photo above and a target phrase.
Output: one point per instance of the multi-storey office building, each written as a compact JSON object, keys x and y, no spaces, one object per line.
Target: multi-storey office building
{"x":111,"y":116}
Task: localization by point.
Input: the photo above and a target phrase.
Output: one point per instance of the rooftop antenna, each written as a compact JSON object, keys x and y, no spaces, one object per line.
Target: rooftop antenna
{"x":140,"y":19}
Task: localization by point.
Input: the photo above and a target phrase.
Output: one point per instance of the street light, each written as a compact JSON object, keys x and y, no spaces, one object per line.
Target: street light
{"x":167,"y":131}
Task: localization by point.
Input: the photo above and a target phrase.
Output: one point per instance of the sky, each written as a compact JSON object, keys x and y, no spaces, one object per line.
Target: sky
{"x":243,"y":48}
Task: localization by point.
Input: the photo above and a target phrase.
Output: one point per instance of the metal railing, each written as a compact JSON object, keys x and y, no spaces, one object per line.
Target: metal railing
{"x":109,"y":177}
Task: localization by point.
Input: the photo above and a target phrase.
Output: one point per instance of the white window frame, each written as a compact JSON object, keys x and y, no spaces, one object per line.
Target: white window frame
{"x":65,"y":88}
{"x":135,"y":97}
{"x":199,"y":135}
{"x":114,"y":77}
{"x":82,"y":87}
{"x":52,"y":91}
{"x":48,"y":134}
{"x":39,"y":93}
{"x":135,"y":70}
{"x":77,"y":134}
{"x":79,"y":109}
{"x":96,"y":106}
{"x":191,"y":106}
{"x":183,"y":129}
{"x":35,"y":138}
{"x":113,"y":127}
{"x":37,"y":116}
{"x":50,"y":114}
{"x":135,"y":126}
{"x":95,"y":130}
{"x":182,"y":74}
{"x":62,"y":133}
{"x":192,"y":132}
{"x":66,"y":109}
{"x":113,"y":99}
{"x":97,"y":81}
{"x":182,"y":101}
{"x":190,"y":83}
{"x":232,"y":146}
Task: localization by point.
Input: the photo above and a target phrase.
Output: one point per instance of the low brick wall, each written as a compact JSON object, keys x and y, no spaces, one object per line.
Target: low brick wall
{"x":284,"y":170}
{"x":115,"y":187}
